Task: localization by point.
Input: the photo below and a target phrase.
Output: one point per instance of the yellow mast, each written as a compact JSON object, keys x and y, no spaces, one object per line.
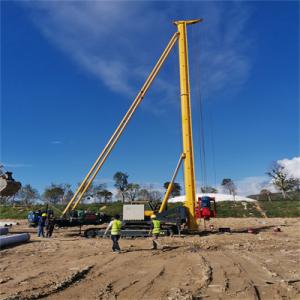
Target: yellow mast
{"x":186,"y":116}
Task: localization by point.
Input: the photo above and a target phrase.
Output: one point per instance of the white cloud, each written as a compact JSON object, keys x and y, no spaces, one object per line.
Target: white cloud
{"x":55,"y":142}
{"x":100,"y":36}
{"x":119,"y":41}
{"x":253,"y":185}
{"x":291,"y":166}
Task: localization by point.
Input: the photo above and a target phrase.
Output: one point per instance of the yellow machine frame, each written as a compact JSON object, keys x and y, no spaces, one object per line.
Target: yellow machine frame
{"x":187,"y":155}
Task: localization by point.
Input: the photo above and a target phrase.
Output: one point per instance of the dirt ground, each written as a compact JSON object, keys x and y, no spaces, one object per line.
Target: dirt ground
{"x":237,"y":265}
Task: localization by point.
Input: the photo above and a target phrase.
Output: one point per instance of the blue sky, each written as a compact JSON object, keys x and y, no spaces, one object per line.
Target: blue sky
{"x":69,"y":71}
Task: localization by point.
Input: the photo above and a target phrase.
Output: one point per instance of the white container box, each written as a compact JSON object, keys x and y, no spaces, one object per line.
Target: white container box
{"x":133,"y":212}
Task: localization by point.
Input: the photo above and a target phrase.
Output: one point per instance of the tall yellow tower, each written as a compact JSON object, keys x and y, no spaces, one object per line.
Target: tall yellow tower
{"x":186,"y":118}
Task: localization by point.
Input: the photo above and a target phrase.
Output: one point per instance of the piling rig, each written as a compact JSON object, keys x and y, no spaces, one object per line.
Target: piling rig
{"x":185,"y":215}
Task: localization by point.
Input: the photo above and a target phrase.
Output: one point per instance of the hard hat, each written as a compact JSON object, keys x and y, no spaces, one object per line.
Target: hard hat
{"x":153,"y":216}
{"x":44,"y":215}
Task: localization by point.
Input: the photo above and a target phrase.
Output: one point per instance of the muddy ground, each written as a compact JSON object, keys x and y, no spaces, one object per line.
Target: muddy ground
{"x":237,"y":265}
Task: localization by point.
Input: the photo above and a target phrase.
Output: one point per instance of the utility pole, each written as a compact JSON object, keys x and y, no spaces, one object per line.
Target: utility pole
{"x":186,"y":116}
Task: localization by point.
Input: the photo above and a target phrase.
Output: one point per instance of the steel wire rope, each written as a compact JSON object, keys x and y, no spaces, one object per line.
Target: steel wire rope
{"x":200,"y":107}
{"x":211,"y":126}
{"x":211,"y":122}
{"x":198,"y":124}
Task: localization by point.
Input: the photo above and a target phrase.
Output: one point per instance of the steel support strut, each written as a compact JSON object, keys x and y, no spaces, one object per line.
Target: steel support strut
{"x":113,"y":140}
{"x":170,"y":186}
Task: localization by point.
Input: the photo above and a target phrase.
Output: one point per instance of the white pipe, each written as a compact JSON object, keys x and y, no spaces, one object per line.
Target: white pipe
{"x":14,"y":239}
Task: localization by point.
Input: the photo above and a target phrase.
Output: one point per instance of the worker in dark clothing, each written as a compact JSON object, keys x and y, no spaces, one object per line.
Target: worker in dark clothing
{"x":155,"y":231}
{"x":115,"y":225}
{"x":49,"y":226}
{"x":41,"y":224}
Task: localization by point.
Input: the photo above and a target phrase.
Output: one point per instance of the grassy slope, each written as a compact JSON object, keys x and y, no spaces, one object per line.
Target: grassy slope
{"x":287,"y":208}
{"x":237,"y":209}
{"x":280,"y":208}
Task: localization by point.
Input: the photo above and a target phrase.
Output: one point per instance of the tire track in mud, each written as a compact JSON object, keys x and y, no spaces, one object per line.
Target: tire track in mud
{"x":126,"y":287}
{"x":278,"y":290}
{"x":115,"y":289}
{"x":145,"y":283}
{"x":151,"y":283}
{"x":56,"y":287}
{"x":212,"y":278}
{"x":230,"y":283}
{"x":51,"y":289}
{"x":274,"y":278}
{"x":243,"y":278}
{"x":102,"y":275}
{"x":249,"y":284}
{"x":110,"y":293}
{"x":207,"y":273}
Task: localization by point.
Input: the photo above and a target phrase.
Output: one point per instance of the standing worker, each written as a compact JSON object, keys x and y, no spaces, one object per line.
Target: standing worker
{"x":41,"y":224}
{"x":49,"y":225}
{"x":155,"y":231}
{"x":115,"y":225}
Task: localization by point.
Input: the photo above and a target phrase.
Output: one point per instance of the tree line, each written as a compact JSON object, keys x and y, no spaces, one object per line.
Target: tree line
{"x":127,"y":191}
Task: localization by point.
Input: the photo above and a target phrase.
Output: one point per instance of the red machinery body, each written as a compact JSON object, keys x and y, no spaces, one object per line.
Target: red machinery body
{"x":206,"y":208}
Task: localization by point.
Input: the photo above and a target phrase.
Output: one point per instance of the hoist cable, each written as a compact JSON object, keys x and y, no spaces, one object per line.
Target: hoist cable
{"x":201,"y":121}
{"x":213,"y":146}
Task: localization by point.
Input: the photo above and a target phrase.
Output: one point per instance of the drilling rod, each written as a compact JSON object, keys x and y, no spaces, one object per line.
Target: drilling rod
{"x":112,"y":141}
